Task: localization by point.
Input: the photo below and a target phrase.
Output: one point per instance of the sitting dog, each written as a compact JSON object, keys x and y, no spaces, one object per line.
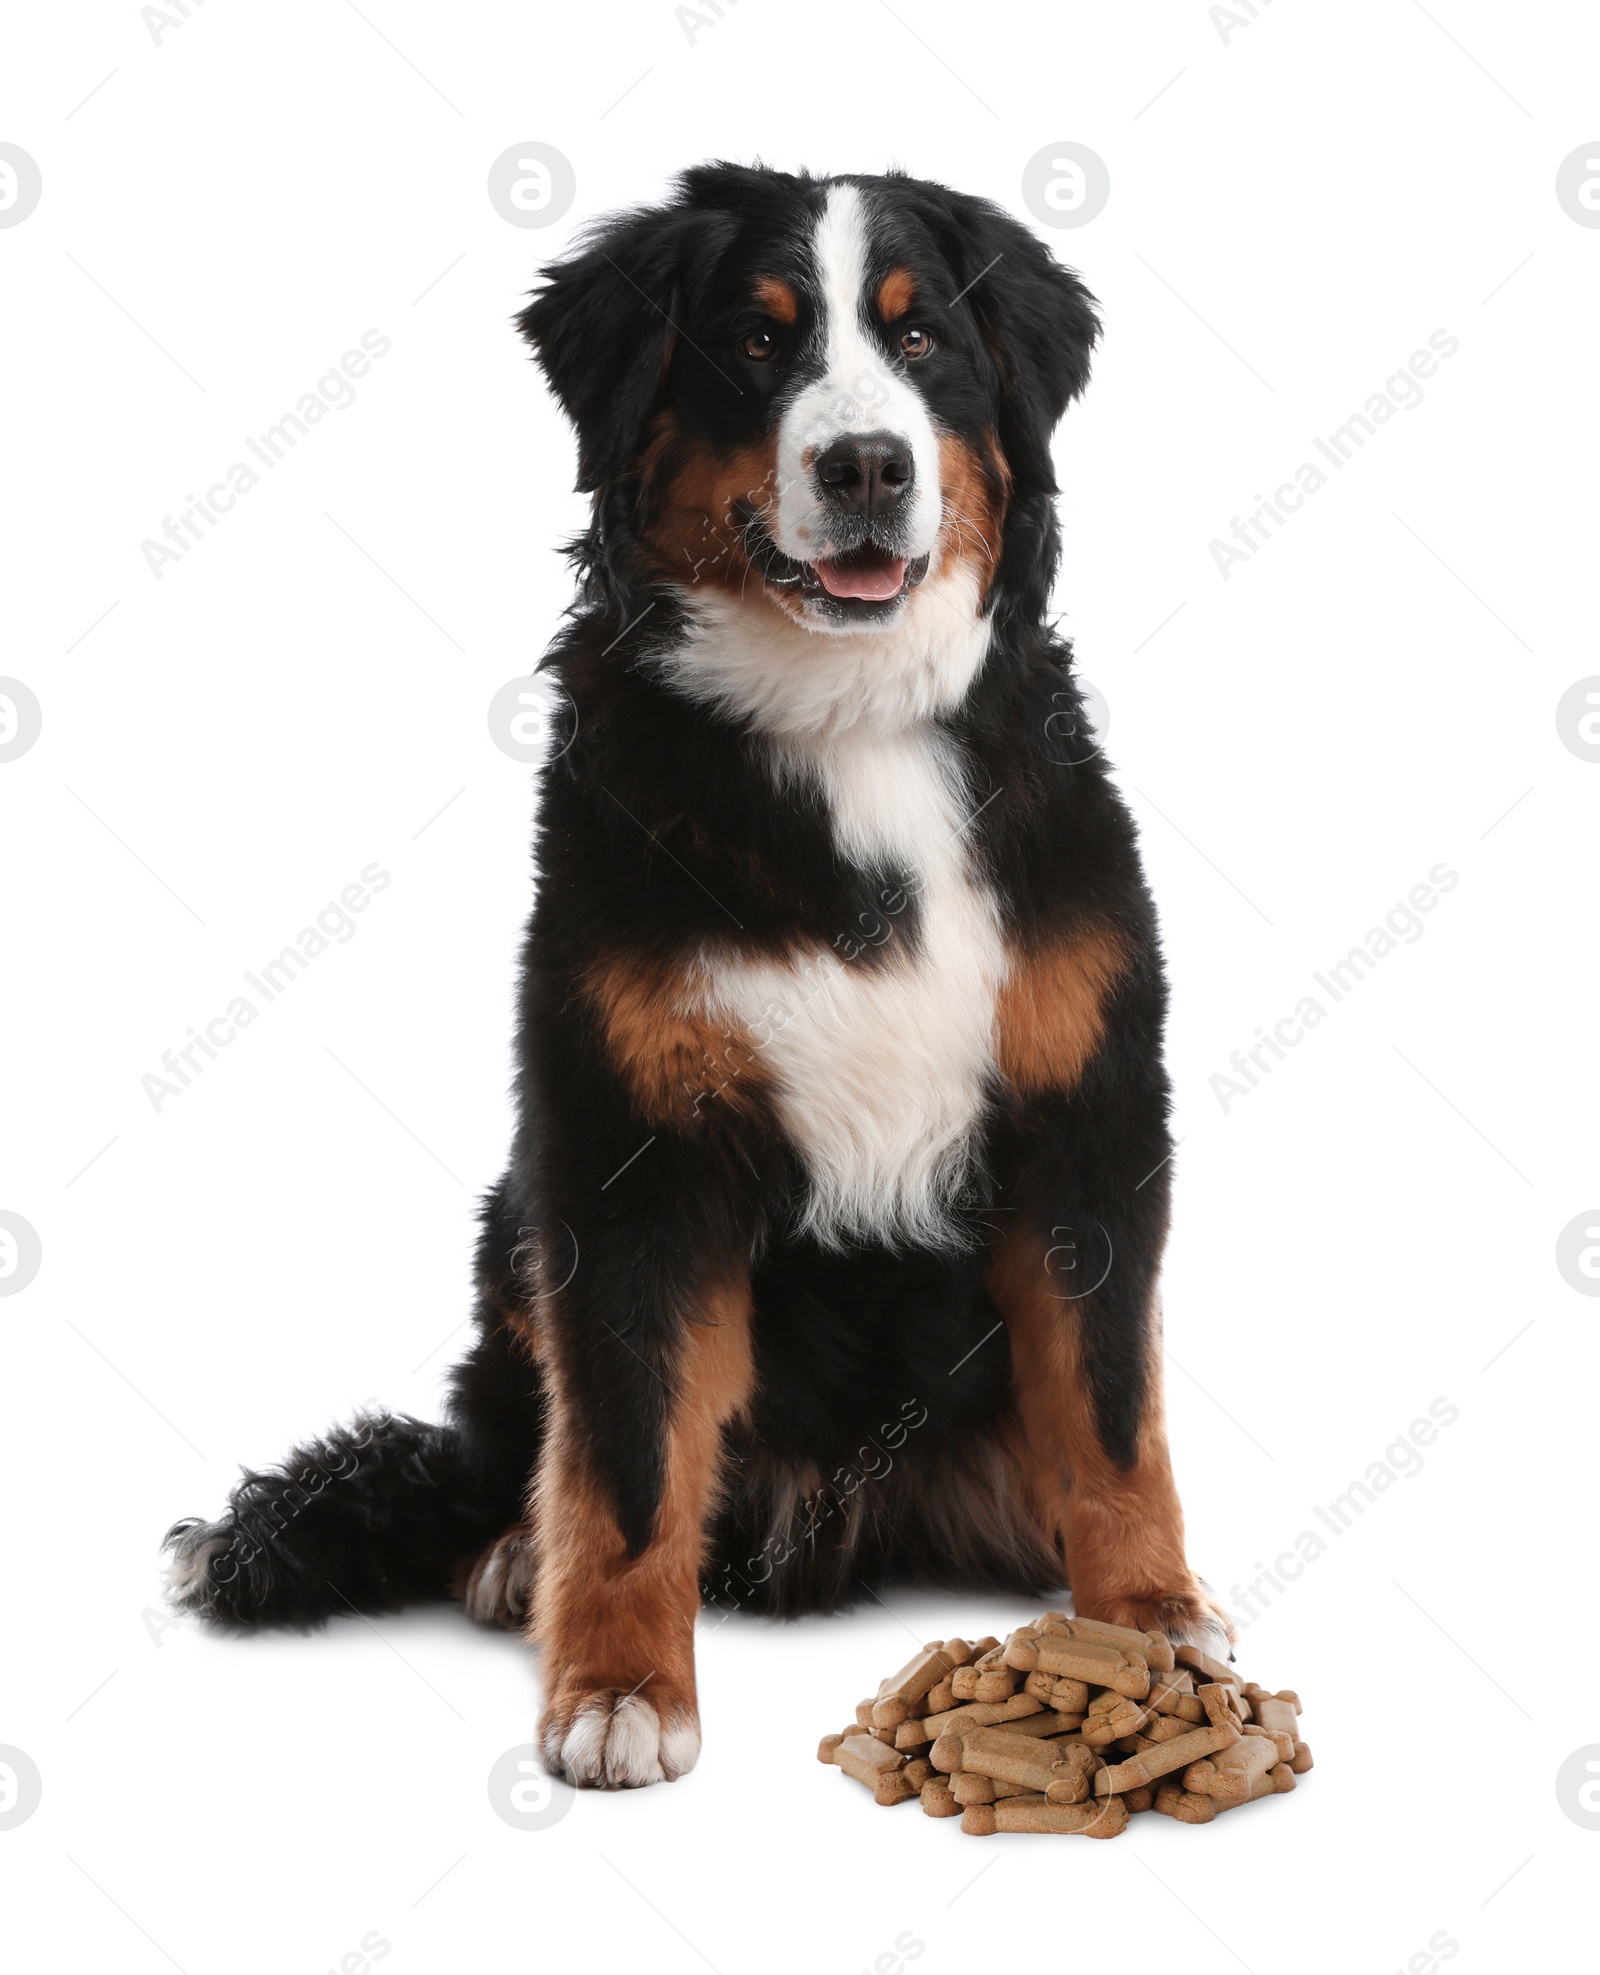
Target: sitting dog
{"x":827,"y":1251}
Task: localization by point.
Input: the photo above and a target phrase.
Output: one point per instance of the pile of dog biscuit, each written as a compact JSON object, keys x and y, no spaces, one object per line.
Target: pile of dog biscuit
{"x":1070,"y":1726}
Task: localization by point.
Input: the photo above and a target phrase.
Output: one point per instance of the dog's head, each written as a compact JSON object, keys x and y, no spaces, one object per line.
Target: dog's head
{"x":820,"y":394}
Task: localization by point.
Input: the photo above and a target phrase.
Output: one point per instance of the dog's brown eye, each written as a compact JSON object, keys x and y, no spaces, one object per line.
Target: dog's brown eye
{"x":759,"y":347}
{"x":915,"y":343}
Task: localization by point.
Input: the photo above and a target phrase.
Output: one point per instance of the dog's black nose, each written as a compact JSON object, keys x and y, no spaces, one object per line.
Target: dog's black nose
{"x":869,"y":473}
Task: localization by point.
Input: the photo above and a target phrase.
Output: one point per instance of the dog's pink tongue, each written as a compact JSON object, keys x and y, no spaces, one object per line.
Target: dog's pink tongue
{"x":872,"y":582}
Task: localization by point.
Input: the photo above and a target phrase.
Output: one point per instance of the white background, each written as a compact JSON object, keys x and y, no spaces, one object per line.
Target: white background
{"x":1371,"y":1229}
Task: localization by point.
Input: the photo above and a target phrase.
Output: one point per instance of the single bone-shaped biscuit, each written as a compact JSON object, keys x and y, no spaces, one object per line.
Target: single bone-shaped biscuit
{"x":1174,"y":1801}
{"x":1267,"y":1784}
{"x":1221,"y":1703}
{"x":971,"y":1788}
{"x":1100,"y":1664}
{"x":919,"y":1674}
{"x":1164,"y":1759}
{"x":1204,"y":1664}
{"x":984,"y":1714}
{"x":1110,"y":1724}
{"x":866,"y":1759}
{"x":1087,"y":1820}
{"x":1230,"y":1773}
{"x":878,"y":1766}
{"x":1276,"y":1716}
{"x":1012,"y":1758}
{"x":1284,"y":1744}
{"x":1154,"y":1648}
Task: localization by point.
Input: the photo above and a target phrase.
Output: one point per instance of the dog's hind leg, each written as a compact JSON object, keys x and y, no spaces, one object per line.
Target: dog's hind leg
{"x":497,"y":1586}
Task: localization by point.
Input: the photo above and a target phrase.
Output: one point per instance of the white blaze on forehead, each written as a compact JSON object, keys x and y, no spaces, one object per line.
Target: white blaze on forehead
{"x":859,"y":391}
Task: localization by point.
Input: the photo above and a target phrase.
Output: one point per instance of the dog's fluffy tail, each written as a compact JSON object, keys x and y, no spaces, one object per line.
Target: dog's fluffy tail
{"x":376,"y":1515}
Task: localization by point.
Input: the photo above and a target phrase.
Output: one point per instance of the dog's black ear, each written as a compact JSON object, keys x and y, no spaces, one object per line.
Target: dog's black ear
{"x":604,"y":327}
{"x":1038,"y":322}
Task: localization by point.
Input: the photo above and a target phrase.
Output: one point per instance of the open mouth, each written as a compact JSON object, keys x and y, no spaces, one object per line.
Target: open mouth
{"x":866,"y":575}
{"x":864,"y":581}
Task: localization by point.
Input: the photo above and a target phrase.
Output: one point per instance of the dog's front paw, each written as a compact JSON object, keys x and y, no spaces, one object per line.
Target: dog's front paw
{"x":1188,"y":1618}
{"x":607,"y":1739}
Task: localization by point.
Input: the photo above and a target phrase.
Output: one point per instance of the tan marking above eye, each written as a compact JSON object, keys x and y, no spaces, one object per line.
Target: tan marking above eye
{"x":777,"y":298}
{"x":896,"y":292}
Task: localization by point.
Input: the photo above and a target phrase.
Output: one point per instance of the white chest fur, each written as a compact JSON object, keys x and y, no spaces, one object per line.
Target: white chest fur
{"x":880,"y":1070}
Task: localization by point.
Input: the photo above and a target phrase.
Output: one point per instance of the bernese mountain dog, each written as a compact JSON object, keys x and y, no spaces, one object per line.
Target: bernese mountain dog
{"x":827,"y":1252}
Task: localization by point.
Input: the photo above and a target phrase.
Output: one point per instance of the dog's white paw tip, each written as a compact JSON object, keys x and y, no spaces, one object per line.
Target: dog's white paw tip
{"x":498,"y":1590}
{"x":610,"y":1741}
{"x":1208,"y":1633}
